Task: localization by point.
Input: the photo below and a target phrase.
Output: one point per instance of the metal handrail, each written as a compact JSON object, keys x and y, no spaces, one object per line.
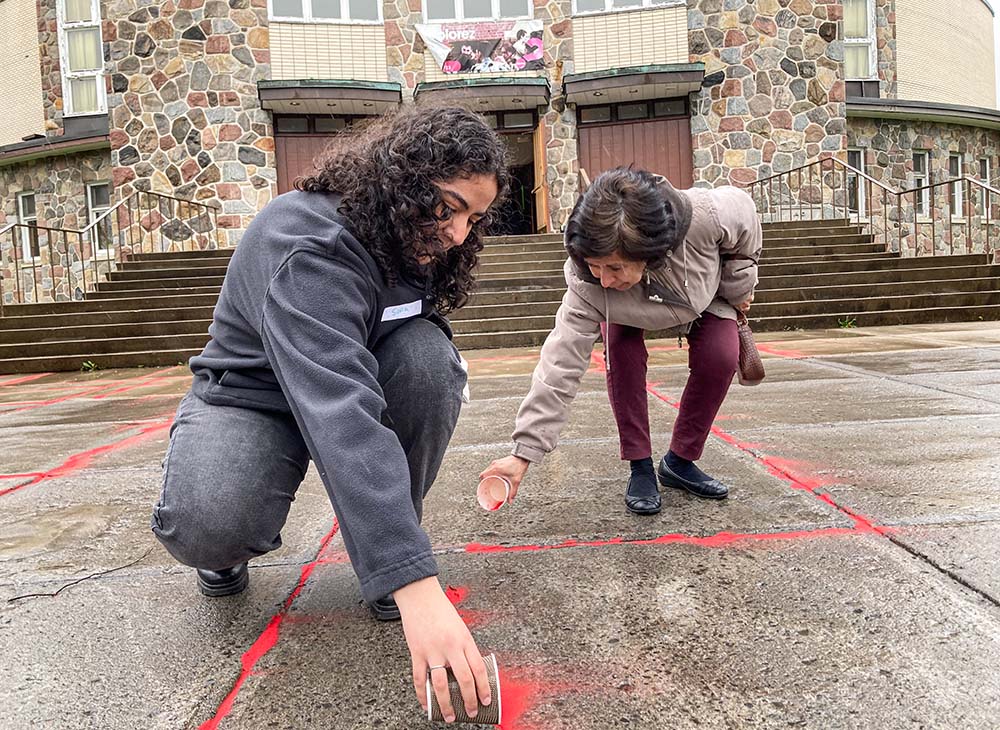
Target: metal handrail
{"x":894,"y":226}
{"x":130,"y":220}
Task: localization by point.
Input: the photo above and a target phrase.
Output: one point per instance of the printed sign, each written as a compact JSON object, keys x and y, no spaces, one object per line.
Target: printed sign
{"x":490,"y":47}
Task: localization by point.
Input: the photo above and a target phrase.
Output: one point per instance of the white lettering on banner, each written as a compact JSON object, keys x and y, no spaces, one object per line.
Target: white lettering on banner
{"x":402,"y":311}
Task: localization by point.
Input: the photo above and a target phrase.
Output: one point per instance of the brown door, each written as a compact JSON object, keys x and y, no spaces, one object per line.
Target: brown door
{"x":294,"y":156}
{"x":662,"y":146}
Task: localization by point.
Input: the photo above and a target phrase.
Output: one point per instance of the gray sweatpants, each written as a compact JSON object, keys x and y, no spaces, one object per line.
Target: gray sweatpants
{"x":230,"y":474}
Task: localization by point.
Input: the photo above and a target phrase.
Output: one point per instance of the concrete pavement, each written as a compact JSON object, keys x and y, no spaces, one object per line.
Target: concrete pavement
{"x":851,"y":580}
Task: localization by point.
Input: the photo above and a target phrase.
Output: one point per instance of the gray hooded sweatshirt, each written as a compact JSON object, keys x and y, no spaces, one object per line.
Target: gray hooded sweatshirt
{"x":302,"y":307}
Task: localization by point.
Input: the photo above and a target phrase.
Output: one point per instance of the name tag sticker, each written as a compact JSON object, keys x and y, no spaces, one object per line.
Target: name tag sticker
{"x":402,"y":311}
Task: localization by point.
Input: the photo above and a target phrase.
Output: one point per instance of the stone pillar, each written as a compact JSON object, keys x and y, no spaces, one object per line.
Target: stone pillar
{"x":773,"y":95}
{"x":185,"y":117}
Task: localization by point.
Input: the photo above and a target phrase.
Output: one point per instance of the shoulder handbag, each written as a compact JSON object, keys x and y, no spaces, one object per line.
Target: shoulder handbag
{"x":751,"y":369}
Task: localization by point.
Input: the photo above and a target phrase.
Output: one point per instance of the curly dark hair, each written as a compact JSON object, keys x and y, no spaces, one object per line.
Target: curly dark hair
{"x":386,"y":173}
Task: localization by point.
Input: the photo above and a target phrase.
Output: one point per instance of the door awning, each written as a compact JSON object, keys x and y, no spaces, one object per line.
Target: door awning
{"x":634,"y":83}
{"x":329,"y":96}
{"x":492,"y":93}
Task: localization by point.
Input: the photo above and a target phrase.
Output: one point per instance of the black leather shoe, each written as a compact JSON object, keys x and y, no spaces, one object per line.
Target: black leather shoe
{"x":384,"y":609}
{"x":641,"y":505}
{"x":711,"y":489}
{"x":226,"y":582}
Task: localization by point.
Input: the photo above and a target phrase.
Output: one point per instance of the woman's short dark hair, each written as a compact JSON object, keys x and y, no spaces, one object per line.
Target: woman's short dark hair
{"x":624,"y":212}
{"x":386,"y":172}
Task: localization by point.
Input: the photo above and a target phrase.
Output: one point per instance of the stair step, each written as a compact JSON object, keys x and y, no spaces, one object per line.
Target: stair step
{"x":503,"y":311}
{"x":844,"y":291}
{"x":869,"y":264}
{"x":877,"y":304}
{"x":807,"y":224}
{"x":140,"y":358}
{"x":520,"y":296}
{"x":109,"y":345}
{"x":840,"y":278}
{"x":171,"y":256}
{"x":217,"y":272}
{"x":815,"y":238}
{"x":878,"y":319}
{"x":110,"y":304}
{"x":184,"y":264}
{"x":806,"y":259}
{"x":136,"y":293}
{"x":97,"y":332}
{"x":175,"y":283}
{"x":110,"y":317}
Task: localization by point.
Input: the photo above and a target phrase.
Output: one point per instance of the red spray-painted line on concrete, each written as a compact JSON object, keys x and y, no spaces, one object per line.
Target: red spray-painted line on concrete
{"x":144,"y":381}
{"x":268,"y":638}
{"x":25,"y":379}
{"x":30,"y":475}
{"x":796,"y":482}
{"x":83,"y":459}
{"x":140,"y":382}
{"x":788,"y":354}
{"x":717,"y":540}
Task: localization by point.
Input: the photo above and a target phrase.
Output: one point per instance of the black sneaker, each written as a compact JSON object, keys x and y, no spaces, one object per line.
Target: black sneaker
{"x":226,"y":582}
{"x":384,"y":609}
{"x":710,"y":489}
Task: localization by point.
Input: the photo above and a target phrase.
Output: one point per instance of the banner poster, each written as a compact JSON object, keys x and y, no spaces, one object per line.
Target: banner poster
{"x":488,"y":47}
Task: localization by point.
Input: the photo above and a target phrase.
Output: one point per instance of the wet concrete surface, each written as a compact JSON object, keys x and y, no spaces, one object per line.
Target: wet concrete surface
{"x":850,"y":580}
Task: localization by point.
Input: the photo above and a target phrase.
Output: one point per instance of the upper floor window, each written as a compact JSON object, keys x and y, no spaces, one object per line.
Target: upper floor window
{"x":607,"y":6}
{"x":82,"y":56}
{"x":448,"y":10}
{"x":859,"y":39}
{"x":326,"y":11}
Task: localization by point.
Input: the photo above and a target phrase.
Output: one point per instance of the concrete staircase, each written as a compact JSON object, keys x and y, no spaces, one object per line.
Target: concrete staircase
{"x":156,"y":309}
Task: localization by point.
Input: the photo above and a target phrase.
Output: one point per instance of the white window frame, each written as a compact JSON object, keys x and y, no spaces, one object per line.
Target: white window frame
{"x":307,"y":15}
{"x":919,"y":180}
{"x":642,"y":5}
{"x":985,"y":172}
{"x":862,"y":210}
{"x":868,"y":41}
{"x":94,"y":212}
{"x":956,"y":199}
{"x":494,"y":8}
{"x":26,"y":256}
{"x":97,"y":74}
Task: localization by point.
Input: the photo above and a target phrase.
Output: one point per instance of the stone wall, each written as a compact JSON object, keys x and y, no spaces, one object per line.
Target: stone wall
{"x":888,"y":147}
{"x":773,"y":95}
{"x":885,"y":40}
{"x":59,"y":184}
{"x":48,"y":56}
{"x":185,"y":117}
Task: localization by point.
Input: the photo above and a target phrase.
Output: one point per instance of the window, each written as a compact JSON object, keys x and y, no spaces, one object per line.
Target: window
{"x":920,"y":167}
{"x":81,"y":54}
{"x":99,"y":202}
{"x":27,"y":215}
{"x":859,"y":41}
{"x":955,"y":200}
{"x":446,"y":10}
{"x":984,"y":177}
{"x":326,"y":11}
{"x":607,"y":6}
{"x":855,"y":183}
{"x":632,"y":111}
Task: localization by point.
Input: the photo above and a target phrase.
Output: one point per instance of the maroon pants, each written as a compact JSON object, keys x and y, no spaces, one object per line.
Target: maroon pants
{"x":712,"y":360}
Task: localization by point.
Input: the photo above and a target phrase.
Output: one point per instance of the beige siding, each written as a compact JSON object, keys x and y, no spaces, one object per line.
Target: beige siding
{"x":328,"y":51}
{"x":945,"y":53}
{"x":21,"y":80}
{"x":635,"y":38}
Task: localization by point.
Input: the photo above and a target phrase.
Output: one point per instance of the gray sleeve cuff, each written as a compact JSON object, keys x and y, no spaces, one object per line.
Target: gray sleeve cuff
{"x":528,"y":453}
{"x":392,"y":578}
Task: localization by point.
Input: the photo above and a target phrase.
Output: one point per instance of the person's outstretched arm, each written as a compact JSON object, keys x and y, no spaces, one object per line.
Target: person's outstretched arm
{"x":554,"y":383}
{"x":316,"y":316}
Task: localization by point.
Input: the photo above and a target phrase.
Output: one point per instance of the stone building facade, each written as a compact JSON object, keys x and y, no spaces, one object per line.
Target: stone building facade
{"x":224,"y":102}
